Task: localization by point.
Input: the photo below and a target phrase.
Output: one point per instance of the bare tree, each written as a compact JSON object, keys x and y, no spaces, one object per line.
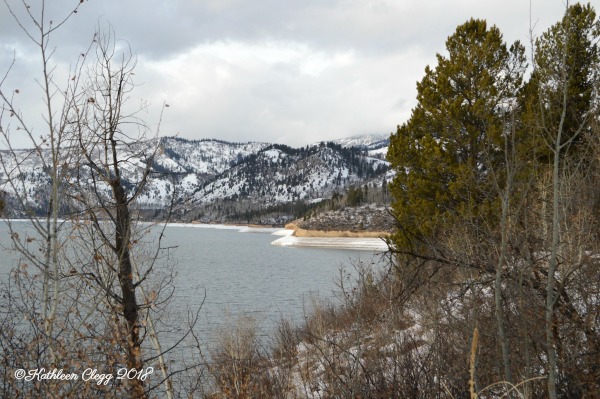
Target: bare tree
{"x":50,"y":154}
{"x":94,"y":296}
{"x":566,"y":79}
{"x":102,"y":134}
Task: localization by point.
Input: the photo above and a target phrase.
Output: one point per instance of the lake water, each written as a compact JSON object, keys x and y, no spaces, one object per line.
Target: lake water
{"x":241,"y":273}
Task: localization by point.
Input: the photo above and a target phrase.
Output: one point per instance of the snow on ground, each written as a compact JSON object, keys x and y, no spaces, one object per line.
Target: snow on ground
{"x":273,"y":154}
{"x":239,"y":228}
{"x":366,"y":244}
{"x":168,"y":163}
{"x":380,"y":151}
{"x":208,"y":226}
{"x":283,"y":232}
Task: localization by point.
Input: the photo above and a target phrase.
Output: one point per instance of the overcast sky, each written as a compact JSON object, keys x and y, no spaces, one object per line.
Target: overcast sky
{"x":287,"y":71}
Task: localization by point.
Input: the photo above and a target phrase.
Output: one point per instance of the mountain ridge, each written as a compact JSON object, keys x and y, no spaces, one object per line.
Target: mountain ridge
{"x":213,"y":180}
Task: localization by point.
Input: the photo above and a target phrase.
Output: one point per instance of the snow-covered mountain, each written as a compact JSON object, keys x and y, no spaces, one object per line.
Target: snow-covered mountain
{"x":184,"y":166}
{"x":213,"y":180}
{"x":205,"y":157}
{"x":366,"y":141}
{"x":279,"y":175}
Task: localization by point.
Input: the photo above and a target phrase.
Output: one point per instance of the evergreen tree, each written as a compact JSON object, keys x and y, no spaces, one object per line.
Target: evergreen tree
{"x":455,"y":133}
{"x":566,"y":70}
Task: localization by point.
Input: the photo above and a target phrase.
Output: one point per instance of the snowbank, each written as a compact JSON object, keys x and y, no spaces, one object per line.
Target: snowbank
{"x":366,"y":244}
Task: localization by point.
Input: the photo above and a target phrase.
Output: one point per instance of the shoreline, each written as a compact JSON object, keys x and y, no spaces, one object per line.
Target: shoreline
{"x":352,"y":243}
{"x":293,"y":236}
{"x":363,"y":241}
{"x":299,"y":232}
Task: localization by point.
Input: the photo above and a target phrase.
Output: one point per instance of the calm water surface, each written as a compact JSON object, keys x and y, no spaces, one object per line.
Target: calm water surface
{"x":233,"y":273}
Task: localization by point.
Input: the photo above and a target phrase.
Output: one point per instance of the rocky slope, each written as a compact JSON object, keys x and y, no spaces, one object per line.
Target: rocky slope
{"x":367,"y":218}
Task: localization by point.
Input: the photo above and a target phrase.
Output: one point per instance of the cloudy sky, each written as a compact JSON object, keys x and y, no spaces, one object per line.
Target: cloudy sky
{"x":286,"y":71}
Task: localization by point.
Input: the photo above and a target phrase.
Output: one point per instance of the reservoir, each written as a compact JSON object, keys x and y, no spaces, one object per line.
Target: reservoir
{"x":230,"y":272}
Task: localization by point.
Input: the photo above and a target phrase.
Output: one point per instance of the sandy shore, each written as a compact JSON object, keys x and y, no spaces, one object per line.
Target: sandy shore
{"x":339,"y":233}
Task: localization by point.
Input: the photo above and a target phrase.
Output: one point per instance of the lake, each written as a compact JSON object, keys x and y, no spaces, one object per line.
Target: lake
{"x":241,"y":273}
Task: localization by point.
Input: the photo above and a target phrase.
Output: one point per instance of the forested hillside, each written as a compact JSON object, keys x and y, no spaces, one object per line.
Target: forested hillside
{"x":208,"y":180}
{"x":265,"y":182}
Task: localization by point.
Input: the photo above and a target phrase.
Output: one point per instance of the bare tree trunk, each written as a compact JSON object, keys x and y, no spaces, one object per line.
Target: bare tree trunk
{"x":125,"y":274}
{"x":551,"y":296}
{"x":79,"y":295}
{"x":498,"y":291}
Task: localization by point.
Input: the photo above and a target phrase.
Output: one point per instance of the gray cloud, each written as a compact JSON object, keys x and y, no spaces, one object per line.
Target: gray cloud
{"x":273,"y":70}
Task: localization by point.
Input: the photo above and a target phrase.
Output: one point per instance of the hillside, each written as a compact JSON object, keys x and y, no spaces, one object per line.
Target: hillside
{"x":367,"y":218}
{"x":213,"y":180}
{"x":278,"y":176}
{"x":369,"y":142}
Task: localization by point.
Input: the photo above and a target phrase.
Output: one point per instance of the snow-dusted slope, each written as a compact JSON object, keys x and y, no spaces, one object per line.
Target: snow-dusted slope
{"x":366,"y":141}
{"x":212,"y":177}
{"x":186,"y":165}
{"x":208,"y":157}
{"x":280,"y":174}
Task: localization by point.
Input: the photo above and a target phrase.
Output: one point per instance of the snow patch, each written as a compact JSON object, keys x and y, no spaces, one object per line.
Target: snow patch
{"x":363,"y":244}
